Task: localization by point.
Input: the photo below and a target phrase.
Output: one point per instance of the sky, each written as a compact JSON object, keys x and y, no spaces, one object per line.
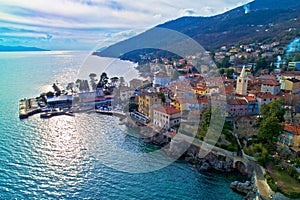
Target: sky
{"x":87,"y":24}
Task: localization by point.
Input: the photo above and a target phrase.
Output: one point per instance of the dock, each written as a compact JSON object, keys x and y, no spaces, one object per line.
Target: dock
{"x":56,"y":113}
{"x":28,"y":107}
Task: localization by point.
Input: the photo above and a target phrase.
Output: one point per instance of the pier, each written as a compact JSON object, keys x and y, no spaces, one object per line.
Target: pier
{"x":28,"y":107}
{"x":56,"y":113}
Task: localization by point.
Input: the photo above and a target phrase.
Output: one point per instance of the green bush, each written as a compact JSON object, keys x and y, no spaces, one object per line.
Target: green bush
{"x":291,"y":194}
{"x":271,"y":183}
{"x":293,"y":172}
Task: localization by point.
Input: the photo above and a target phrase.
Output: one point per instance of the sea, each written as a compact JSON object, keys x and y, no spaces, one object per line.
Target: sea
{"x":62,"y":157}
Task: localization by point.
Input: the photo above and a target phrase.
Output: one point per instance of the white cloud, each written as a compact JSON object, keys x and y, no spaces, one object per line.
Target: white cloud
{"x":85,"y":19}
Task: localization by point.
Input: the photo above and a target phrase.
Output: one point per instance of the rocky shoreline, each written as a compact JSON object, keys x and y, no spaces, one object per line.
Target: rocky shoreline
{"x":225,"y":165}
{"x":211,"y":162}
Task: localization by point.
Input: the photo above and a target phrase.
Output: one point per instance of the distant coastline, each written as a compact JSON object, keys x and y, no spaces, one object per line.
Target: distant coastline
{"x":20,"y":48}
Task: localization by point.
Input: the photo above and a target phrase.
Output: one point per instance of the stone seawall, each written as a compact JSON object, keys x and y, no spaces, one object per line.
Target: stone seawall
{"x":213,"y":161}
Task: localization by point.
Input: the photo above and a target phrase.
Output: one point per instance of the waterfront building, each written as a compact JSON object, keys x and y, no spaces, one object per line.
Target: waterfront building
{"x":60,"y":101}
{"x":166,"y":117}
{"x":147,"y":101}
{"x":103,"y":101}
{"x":191,"y":104}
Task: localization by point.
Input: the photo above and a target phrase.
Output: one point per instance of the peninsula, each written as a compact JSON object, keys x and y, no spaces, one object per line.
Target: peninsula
{"x":19,"y":48}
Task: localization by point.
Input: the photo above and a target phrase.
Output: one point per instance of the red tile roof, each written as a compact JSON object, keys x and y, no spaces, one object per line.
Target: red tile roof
{"x":271,"y":83}
{"x":170,"y":110}
{"x":200,"y":88}
{"x":229,"y":89}
{"x":295,"y":129}
{"x":266,"y":95}
{"x":249,"y":98}
{"x":237,"y":102}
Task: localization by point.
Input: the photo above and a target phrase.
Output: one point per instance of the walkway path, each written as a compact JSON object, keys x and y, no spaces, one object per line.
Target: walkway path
{"x":261,"y":183}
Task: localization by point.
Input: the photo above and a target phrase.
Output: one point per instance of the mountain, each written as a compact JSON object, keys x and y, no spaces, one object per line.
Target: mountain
{"x":19,"y":48}
{"x":258,"y":21}
{"x":266,"y":19}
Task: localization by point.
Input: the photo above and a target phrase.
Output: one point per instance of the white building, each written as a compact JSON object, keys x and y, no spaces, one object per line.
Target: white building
{"x":270,"y":86}
{"x":166,"y":117}
{"x":265,"y":98}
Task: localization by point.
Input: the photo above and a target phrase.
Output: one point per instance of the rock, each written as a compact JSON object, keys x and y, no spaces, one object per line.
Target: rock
{"x":204,"y":167}
{"x":212,"y":159}
{"x":244,"y":188}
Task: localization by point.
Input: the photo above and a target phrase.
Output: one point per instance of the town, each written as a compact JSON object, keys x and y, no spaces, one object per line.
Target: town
{"x":260,"y":84}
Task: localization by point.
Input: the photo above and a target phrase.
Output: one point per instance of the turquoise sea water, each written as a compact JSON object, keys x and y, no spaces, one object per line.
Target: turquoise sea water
{"x":59,"y":158}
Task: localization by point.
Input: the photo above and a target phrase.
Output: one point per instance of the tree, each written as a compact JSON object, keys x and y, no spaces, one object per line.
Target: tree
{"x":222,"y":71}
{"x":121,"y":81}
{"x":269,"y":130}
{"x":204,"y":124}
{"x":229,"y":73}
{"x":161,"y":95}
{"x":114,"y":80}
{"x":92,"y":75}
{"x":296,"y":57}
{"x":78,"y":81}
{"x":270,"y":126}
{"x":276,"y":108}
{"x":261,"y":63}
{"x":103,"y":81}
{"x":50,"y":94}
{"x":130,"y":107}
{"x":93,"y":80}
{"x":224,"y":63}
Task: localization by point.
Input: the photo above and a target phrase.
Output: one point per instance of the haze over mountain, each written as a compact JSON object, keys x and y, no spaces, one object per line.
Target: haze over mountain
{"x":258,"y":21}
{"x":19,"y":48}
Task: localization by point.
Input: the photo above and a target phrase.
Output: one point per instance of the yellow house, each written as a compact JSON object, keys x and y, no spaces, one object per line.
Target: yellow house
{"x":292,"y":85}
{"x":147,"y":101}
{"x":290,"y":137}
{"x":190,"y":104}
{"x":200,"y":89}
